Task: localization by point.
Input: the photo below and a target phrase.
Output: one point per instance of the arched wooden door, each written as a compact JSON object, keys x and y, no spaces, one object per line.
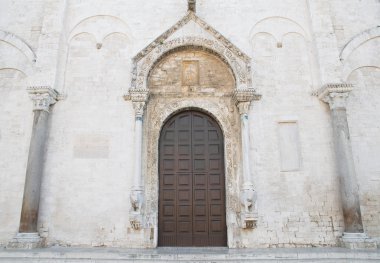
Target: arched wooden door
{"x":192,"y":186}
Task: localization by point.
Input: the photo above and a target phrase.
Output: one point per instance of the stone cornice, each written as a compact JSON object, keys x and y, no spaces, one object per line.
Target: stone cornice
{"x":43,"y":97}
{"x":334,"y":87}
{"x":137,"y":95}
{"x":335,"y":94}
{"x":245,"y":95}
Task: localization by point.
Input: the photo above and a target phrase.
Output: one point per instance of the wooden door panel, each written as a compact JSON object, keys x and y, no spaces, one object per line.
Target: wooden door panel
{"x":192,"y":190}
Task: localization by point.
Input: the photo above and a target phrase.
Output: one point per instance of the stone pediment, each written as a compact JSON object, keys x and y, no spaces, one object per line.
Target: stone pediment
{"x":192,"y":31}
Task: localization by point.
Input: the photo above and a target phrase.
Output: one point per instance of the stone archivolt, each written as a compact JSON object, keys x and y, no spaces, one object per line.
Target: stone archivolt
{"x":239,"y":62}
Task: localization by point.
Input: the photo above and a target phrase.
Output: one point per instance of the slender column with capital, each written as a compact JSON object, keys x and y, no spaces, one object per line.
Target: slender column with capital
{"x":243,"y":100}
{"x":42,"y":98}
{"x":139,"y":99}
{"x":336,"y":95}
{"x":243,"y":111}
{"x":139,"y":111}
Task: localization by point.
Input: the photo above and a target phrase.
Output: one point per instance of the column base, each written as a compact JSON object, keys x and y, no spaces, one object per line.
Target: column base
{"x":26,"y":241}
{"x":357,"y":241}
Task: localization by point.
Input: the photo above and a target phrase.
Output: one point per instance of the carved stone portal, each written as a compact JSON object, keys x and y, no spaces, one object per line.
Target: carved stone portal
{"x":158,"y":110}
{"x":199,"y":82}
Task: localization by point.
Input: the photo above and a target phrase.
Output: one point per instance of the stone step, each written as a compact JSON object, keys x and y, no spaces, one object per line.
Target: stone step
{"x":165,"y":255}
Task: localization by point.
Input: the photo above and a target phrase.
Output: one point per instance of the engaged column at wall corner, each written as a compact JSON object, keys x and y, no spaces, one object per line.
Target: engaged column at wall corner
{"x":336,"y":95}
{"x":242,"y":99}
{"x":28,"y":237}
{"x":42,"y":98}
{"x":139,"y":99}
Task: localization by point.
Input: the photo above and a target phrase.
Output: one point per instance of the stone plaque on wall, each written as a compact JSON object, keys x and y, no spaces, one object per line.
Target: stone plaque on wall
{"x":289,"y":146}
{"x":91,"y":146}
{"x":190,"y":72}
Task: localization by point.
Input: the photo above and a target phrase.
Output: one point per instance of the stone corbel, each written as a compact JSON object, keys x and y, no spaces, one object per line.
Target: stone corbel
{"x":42,"y":97}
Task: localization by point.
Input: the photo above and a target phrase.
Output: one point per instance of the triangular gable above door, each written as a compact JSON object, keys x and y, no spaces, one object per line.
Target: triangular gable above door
{"x":192,"y":31}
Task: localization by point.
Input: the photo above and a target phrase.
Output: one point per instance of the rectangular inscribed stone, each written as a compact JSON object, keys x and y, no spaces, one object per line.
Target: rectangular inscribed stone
{"x":91,"y":147}
{"x":289,"y":146}
{"x":190,"y":72}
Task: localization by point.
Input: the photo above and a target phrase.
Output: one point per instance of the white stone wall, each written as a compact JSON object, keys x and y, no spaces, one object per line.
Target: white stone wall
{"x":354,"y":18}
{"x":15,"y":130}
{"x":85,"y":52}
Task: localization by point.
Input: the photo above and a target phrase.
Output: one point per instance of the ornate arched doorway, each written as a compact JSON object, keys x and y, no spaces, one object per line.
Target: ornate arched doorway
{"x":182,"y":74}
{"x":191,"y":182}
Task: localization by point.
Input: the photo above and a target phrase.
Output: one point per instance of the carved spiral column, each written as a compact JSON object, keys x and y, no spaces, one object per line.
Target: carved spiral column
{"x":42,"y":98}
{"x":243,"y":100}
{"x":139,"y":99}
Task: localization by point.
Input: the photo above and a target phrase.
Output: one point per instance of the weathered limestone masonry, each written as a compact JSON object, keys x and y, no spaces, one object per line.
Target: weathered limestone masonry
{"x":336,"y":95}
{"x":28,"y":236}
{"x":293,"y":86}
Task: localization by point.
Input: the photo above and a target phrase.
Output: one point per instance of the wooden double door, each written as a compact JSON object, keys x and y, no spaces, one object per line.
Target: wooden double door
{"x":191,"y":182}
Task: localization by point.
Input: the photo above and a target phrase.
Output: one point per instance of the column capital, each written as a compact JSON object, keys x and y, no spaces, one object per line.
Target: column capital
{"x":243,"y":107}
{"x":139,"y":98}
{"x":335,"y":94}
{"x":42,"y":97}
{"x":243,"y":97}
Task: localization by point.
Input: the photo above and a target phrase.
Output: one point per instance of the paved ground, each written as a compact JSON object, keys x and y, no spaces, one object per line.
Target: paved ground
{"x":97,"y":255}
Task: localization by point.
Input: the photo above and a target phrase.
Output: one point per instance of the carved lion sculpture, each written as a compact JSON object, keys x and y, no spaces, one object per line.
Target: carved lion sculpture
{"x":248,"y":199}
{"x":136,"y":200}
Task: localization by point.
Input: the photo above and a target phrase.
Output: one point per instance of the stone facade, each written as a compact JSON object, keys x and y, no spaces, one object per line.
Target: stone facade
{"x":105,"y":76}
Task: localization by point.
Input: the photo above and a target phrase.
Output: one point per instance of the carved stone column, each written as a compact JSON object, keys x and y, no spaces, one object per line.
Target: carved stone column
{"x":336,"y":95}
{"x":28,"y":235}
{"x":139,"y":99}
{"x":243,"y":100}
